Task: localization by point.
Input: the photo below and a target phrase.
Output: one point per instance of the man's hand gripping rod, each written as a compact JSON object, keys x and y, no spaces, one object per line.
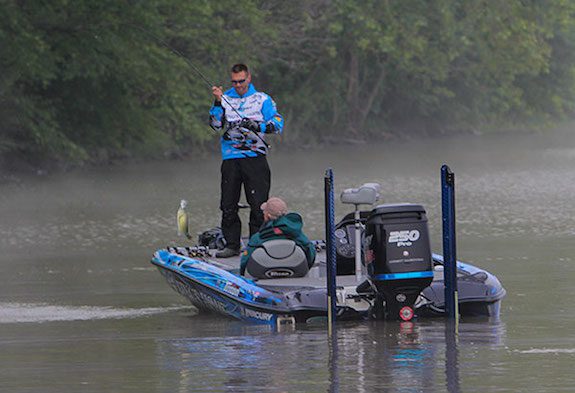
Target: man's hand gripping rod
{"x":197,"y":71}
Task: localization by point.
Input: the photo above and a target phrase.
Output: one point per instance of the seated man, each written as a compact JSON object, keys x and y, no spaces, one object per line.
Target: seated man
{"x":278,"y":224}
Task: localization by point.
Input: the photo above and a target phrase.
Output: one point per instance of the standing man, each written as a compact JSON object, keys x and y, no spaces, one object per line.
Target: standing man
{"x":246,"y":115}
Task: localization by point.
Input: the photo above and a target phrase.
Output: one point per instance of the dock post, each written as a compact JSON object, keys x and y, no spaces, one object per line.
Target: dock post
{"x":330,"y":248}
{"x":449,"y":248}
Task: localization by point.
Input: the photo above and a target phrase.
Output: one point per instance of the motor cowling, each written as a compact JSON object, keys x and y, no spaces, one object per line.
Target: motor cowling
{"x":398,"y":255}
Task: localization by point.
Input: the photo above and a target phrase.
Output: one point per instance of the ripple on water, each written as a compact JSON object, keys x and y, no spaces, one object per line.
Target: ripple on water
{"x":547,"y":350}
{"x":38,"y":312}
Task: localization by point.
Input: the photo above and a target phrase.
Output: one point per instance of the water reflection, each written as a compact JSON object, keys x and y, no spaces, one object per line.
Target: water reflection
{"x":333,"y":363}
{"x":384,"y":356}
{"x":452,"y":356}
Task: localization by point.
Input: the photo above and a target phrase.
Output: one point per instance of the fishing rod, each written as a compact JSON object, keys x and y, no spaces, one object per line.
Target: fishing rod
{"x":199,"y":73}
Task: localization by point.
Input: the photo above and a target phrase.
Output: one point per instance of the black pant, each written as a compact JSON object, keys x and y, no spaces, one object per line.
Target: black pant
{"x":254,"y":174}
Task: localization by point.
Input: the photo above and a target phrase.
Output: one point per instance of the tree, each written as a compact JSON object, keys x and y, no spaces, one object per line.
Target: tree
{"x":91,"y":79}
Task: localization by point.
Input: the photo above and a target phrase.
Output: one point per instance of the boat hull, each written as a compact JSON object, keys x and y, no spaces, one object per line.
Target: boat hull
{"x":212,"y":287}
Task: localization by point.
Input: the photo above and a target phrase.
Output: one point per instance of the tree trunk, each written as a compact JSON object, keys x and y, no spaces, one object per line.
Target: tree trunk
{"x":353,"y":94}
{"x":371,"y":97}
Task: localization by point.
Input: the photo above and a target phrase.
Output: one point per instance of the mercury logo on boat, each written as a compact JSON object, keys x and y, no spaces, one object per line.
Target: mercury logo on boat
{"x":264,"y":316}
{"x":403,"y":238}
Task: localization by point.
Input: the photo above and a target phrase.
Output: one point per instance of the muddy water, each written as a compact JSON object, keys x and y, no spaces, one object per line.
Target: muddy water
{"x":82,"y":310}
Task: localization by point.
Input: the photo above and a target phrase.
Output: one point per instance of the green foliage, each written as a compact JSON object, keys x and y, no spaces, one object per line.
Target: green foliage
{"x":88,"y":80}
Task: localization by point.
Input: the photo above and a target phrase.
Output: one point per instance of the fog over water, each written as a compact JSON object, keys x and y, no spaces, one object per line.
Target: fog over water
{"x":82,"y":309}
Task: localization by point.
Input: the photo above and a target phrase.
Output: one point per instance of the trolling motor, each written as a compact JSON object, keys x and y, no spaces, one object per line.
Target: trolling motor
{"x":398,"y":258}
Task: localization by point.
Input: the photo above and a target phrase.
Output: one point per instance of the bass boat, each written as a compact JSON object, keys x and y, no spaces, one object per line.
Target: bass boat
{"x":385,"y":269}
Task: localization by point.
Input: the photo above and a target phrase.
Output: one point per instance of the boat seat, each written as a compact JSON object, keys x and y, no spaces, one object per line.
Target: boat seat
{"x":278,"y":258}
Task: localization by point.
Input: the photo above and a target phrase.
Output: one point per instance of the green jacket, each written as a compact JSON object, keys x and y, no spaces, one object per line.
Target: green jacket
{"x":285,"y":227}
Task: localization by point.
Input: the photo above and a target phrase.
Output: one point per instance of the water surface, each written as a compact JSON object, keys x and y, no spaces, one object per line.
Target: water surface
{"x":82,"y":310}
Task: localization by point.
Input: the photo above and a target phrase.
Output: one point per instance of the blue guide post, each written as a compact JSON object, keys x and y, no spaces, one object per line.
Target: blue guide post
{"x":330,"y":245}
{"x":449,"y":248}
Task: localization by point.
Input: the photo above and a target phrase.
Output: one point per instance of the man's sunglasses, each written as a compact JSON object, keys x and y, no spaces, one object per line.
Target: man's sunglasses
{"x":238,"y":82}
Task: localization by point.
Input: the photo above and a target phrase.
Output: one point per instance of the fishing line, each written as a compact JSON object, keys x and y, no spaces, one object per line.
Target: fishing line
{"x":198,"y":72}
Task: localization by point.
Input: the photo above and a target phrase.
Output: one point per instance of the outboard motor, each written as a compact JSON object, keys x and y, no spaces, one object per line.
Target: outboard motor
{"x":279,"y":258}
{"x":398,"y":256}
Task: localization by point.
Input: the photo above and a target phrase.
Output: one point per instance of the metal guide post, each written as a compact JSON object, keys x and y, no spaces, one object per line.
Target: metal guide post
{"x":330,"y":247}
{"x":449,"y":247}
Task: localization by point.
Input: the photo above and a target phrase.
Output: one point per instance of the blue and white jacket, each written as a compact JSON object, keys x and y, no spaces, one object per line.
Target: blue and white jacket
{"x":238,"y":142}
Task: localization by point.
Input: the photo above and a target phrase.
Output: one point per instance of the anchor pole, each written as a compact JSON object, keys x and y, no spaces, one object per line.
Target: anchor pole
{"x":449,"y":247}
{"x":330,"y":248}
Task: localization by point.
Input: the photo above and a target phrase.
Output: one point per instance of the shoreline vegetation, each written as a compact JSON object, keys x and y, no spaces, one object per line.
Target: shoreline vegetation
{"x":97,"y":82}
{"x":12,"y":172}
